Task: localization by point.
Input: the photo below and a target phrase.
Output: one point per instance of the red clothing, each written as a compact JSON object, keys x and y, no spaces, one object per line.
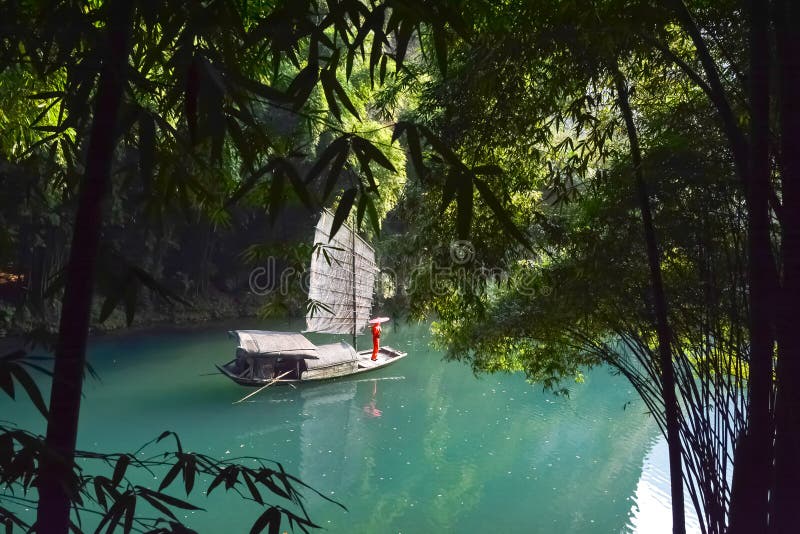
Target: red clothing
{"x":376,"y":335}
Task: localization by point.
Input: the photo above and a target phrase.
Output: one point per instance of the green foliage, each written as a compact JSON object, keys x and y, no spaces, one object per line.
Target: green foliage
{"x":223,"y":105}
{"x":220,"y":110}
{"x":566,"y":284}
{"x":503,"y":115}
{"x":118,"y":503}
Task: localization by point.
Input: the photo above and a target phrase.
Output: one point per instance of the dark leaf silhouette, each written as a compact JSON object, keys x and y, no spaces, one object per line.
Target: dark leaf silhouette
{"x":343,"y":210}
{"x":491,"y":200}
{"x":270,"y":518}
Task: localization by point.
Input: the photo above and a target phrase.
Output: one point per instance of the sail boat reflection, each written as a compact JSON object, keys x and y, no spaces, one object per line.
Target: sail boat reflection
{"x":370,"y":409}
{"x":339,"y":433}
{"x":331,"y":434}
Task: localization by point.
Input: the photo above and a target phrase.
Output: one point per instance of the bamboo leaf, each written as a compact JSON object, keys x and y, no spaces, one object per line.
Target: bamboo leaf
{"x":342,"y":210}
{"x":441,"y":147}
{"x":362,"y":207}
{"x":130,"y":510}
{"x":248,"y":185}
{"x":337,"y":147}
{"x":402,"y":39}
{"x":115,"y":513}
{"x":334,"y":173}
{"x":112,"y":299}
{"x":382,"y":71}
{"x":303,"y":84}
{"x":131,"y":296}
{"x":342,"y":94}
{"x":31,"y":388}
{"x":252,"y":487}
{"x":415,"y":148}
{"x":274,"y":488}
{"x":327,"y":89}
{"x":217,"y":480}
{"x":258,"y":88}
{"x":284,"y":166}
{"x":172,"y":501}
{"x":168,"y":433}
{"x":99,"y":492}
{"x":6,"y":380}
{"x":363,"y":161}
{"x":372,"y":214}
{"x":399,"y":128}
{"x":494,"y":204}
{"x":375,"y":53}
{"x":158,"y":505}
{"x":120,"y":468}
{"x":349,"y":62}
{"x":271,"y":517}
{"x":189,"y":472}
{"x":171,"y":474}
{"x":372,"y":152}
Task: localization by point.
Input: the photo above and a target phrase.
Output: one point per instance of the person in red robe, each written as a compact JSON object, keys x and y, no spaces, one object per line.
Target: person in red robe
{"x":376,"y":336}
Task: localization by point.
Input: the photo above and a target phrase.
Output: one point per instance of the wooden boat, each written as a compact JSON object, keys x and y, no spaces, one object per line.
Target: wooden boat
{"x":263,"y":355}
{"x":340,"y":294}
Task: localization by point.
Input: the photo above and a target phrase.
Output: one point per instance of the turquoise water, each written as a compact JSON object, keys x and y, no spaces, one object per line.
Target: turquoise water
{"x":420,"y":446}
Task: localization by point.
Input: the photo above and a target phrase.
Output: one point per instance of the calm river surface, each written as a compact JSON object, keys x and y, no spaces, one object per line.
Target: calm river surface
{"x":421,"y":446}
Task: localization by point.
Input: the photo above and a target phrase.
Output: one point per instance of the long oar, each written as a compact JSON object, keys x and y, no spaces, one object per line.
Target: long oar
{"x":277,"y":378}
{"x":287,"y":382}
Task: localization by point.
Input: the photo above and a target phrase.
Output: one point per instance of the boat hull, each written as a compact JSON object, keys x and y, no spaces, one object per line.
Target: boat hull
{"x":386,"y":356}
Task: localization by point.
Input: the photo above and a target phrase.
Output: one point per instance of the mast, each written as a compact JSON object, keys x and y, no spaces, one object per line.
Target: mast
{"x":355,"y":302}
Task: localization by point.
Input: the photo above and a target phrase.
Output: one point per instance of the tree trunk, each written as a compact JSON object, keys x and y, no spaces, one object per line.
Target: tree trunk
{"x":671,"y":409}
{"x":56,"y":481}
{"x":754,"y":454}
{"x":787,"y":402}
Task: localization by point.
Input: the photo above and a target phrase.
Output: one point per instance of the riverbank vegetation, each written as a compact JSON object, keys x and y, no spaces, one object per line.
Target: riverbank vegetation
{"x":558,"y":184}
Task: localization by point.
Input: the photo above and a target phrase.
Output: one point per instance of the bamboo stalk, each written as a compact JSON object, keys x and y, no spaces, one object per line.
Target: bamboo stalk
{"x":276,"y":379}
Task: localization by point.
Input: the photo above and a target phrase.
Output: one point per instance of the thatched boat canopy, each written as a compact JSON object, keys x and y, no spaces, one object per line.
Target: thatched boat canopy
{"x":267,"y":344}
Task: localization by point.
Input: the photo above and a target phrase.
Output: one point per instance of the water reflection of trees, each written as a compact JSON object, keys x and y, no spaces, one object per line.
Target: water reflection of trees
{"x":464,"y":453}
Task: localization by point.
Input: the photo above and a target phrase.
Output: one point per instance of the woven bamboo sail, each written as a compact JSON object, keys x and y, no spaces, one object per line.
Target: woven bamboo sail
{"x":336,"y":265}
